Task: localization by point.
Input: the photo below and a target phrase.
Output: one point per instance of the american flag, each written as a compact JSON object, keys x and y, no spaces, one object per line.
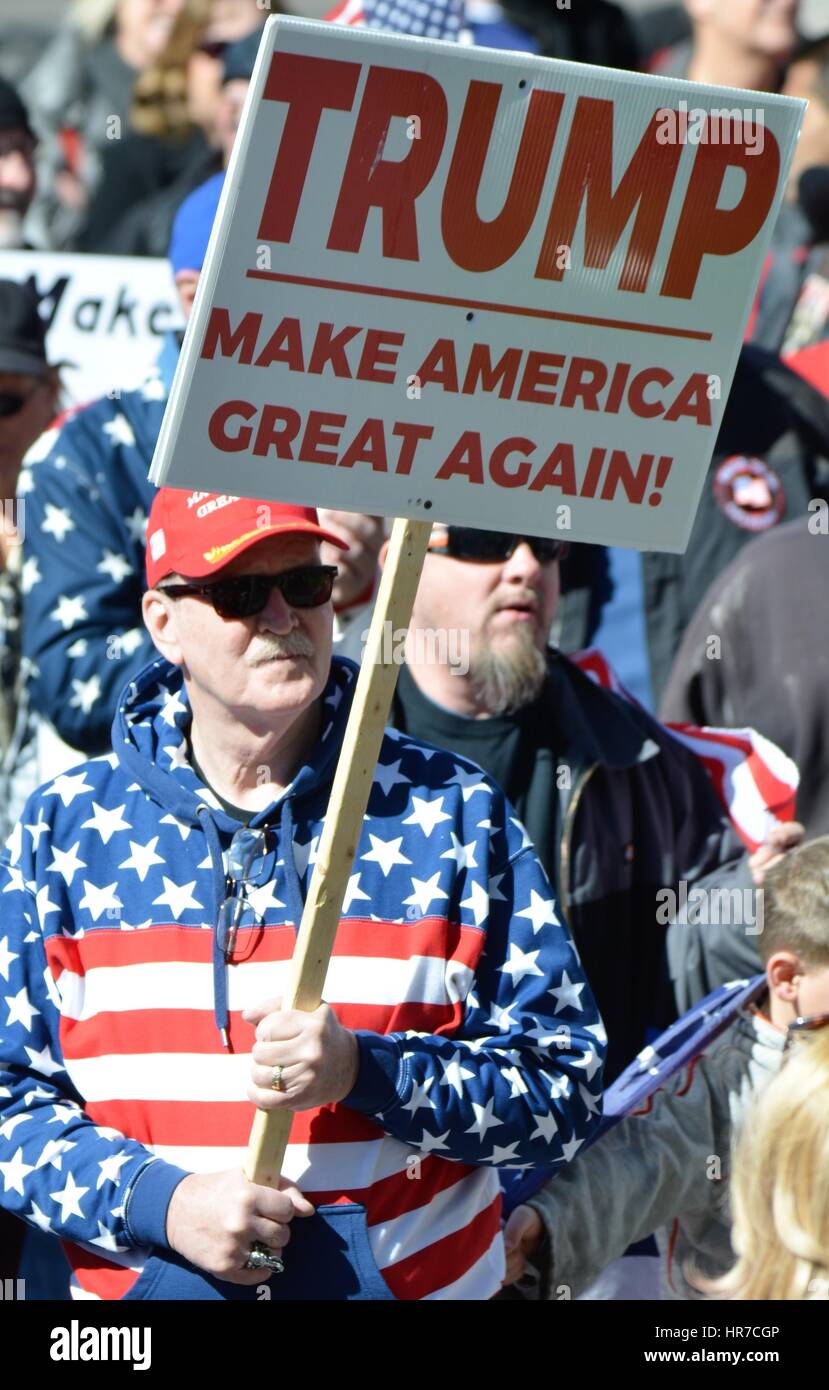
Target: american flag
{"x":755,"y":781}
{"x":427,"y":19}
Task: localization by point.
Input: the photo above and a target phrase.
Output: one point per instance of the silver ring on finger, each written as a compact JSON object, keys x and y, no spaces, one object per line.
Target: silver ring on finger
{"x":277,"y":1084}
{"x":261,"y":1257}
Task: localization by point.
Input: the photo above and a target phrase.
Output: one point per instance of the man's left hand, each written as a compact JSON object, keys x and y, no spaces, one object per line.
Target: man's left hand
{"x":319,"y":1058}
{"x":522,"y":1236}
{"x":779,"y":840}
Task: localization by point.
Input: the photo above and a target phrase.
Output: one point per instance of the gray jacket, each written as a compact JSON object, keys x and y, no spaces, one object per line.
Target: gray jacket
{"x":662,"y":1171}
{"x":79,"y":87}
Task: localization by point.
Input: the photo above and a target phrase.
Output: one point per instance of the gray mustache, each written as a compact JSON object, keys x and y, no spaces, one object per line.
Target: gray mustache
{"x":268,"y":645}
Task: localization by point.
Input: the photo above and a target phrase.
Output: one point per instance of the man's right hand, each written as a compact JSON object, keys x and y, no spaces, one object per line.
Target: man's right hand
{"x":214,"y":1219}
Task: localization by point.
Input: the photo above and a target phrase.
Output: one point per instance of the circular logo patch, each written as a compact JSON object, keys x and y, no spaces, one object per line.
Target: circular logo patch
{"x":749,"y":492}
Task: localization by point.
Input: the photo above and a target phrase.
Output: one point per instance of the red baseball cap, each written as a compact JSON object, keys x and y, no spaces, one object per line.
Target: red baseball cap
{"x":196,"y":534}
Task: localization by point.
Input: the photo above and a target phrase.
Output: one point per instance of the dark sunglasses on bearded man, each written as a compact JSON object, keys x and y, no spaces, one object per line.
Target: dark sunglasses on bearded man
{"x":492,"y":547}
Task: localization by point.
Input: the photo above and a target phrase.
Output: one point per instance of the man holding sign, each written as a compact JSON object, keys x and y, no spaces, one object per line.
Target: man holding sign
{"x":152,"y":901}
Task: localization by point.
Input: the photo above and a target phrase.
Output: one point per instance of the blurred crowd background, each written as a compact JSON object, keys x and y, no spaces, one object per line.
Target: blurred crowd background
{"x":129,"y":101}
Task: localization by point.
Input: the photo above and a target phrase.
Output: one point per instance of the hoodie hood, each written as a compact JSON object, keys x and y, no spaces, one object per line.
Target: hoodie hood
{"x":150,"y":737}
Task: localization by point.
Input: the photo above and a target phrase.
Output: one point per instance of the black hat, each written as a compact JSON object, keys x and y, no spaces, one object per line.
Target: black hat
{"x":13,"y":114}
{"x":240,"y":57}
{"x":22,"y":330}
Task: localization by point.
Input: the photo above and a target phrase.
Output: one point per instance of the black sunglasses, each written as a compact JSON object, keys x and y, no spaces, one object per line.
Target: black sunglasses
{"x":213,"y":48}
{"x":10,"y":403}
{"x":489,"y":547}
{"x":804,"y":1027}
{"x":243,"y":596}
{"x":246,"y":859}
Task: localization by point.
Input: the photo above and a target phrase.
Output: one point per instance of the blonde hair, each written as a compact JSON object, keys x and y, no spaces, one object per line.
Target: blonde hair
{"x":159,"y":102}
{"x":780,"y":1185}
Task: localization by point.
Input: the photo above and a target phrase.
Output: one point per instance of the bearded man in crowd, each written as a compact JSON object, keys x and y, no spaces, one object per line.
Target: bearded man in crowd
{"x":617,"y":808}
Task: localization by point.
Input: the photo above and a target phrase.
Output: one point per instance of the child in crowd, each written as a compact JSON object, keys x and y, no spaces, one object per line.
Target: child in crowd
{"x":666,"y":1168}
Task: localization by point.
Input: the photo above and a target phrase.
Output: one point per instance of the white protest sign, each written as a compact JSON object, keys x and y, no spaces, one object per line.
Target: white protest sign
{"x":106,"y":315}
{"x":478,"y":287}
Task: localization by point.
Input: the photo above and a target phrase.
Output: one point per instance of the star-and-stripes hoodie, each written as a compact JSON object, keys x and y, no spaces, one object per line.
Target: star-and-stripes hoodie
{"x":480,"y":1044}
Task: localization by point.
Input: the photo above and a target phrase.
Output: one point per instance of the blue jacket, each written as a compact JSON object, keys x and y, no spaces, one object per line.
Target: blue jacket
{"x":480,"y":1044}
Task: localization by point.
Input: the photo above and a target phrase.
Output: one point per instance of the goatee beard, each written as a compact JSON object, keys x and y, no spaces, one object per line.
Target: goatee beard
{"x":507,"y":677}
{"x":11,"y":229}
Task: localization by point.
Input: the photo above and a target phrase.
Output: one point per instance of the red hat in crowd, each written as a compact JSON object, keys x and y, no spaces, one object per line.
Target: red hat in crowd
{"x":195,"y":534}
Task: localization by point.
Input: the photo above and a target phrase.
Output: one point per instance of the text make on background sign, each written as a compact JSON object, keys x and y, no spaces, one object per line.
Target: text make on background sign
{"x":106,"y":316}
{"x":484,"y":287}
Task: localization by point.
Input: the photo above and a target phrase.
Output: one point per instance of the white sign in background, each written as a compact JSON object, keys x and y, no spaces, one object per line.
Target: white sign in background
{"x":351,"y":310}
{"x":106,"y":315}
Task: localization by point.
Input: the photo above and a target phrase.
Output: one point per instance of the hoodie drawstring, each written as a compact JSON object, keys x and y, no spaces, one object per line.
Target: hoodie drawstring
{"x":296,"y":902}
{"x":214,"y":845}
